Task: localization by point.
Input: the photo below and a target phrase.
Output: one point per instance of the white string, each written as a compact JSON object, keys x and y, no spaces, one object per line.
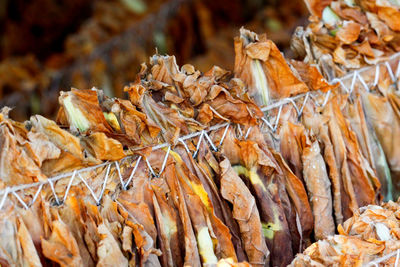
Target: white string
{"x":337,"y":80}
{"x":104,"y":185}
{"x":198,"y":144}
{"x":35,"y":196}
{"x":3,"y":200}
{"x":248,"y":132}
{"x":210,"y":142}
{"x":277,"y":118}
{"x":304,"y":103}
{"x":132,"y":173}
{"x":20,"y":200}
{"x":396,"y":263}
{"x":363,"y":82}
{"x":164,"y":162}
{"x":223,"y":135}
{"x":267,"y":123}
{"x":89,"y":188}
{"x":150,"y":168}
{"x":382,"y":259}
{"x":390,"y":71}
{"x":377,"y":73}
{"x":398,"y":71}
{"x":184,"y":145}
{"x":69,"y":186}
{"x":326,"y":98}
{"x":54,"y":192}
{"x":294,"y":104}
{"x":353,"y":82}
{"x":119,"y":174}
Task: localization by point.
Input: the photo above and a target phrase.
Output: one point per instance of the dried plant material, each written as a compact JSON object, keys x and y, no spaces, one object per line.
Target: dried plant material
{"x":61,"y":247}
{"x":385,"y":123}
{"x":246,"y":213}
{"x":103,"y":148}
{"x":319,"y":190}
{"x":370,"y":146}
{"x":168,"y":224}
{"x":30,"y":256}
{"x":10,"y":248}
{"x":349,"y":32}
{"x":191,"y":257}
{"x":298,"y":196}
{"x":318,"y":124}
{"x":311,"y":76}
{"x":354,"y":33}
{"x":369,"y":235}
{"x":16,"y":165}
{"x":108,"y":251}
{"x":83,"y":112}
{"x":221,"y":233}
{"x":304,"y":155}
{"x":260,"y":173}
{"x":266,"y":72}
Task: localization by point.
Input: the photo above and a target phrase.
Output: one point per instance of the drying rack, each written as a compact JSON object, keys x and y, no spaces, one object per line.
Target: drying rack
{"x":367,"y":77}
{"x":347,"y":83}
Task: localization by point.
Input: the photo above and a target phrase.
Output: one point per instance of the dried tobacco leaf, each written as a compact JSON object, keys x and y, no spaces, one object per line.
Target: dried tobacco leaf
{"x":260,"y":64}
{"x":246,"y":213}
{"x":62,"y":247}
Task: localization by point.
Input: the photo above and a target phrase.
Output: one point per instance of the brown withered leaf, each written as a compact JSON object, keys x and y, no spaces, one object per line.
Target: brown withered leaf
{"x":16,"y":166}
{"x":194,"y":186}
{"x":246,"y":214}
{"x":349,"y":32}
{"x":30,"y":255}
{"x":108,"y":251}
{"x":188,"y":238}
{"x":266,"y":72}
{"x":386,"y":124}
{"x":168,"y":224}
{"x":103,"y":147}
{"x":83,"y":111}
{"x":317,"y":6}
{"x":61,"y":247}
{"x":312,"y":77}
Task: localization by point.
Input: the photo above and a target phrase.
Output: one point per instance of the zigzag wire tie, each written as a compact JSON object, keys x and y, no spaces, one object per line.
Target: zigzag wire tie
{"x":54,"y":192}
{"x":398,"y":71}
{"x":337,"y":80}
{"x":164,"y":162}
{"x":198,"y":144}
{"x":396,"y":263}
{"x":390,"y":71}
{"x":37,"y":194}
{"x":361,"y":79}
{"x":5,"y":192}
{"x":377,"y":73}
{"x":384,"y":258}
{"x":248,"y":132}
{"x":223,"y":135}
{"x":69,"y":186}
{"x":326,"y":98}
{"x":20,"y":200}
{"x":150,"y":168}
{"x":353,"y":81}
{"x":184,"y":145}
{"x":304,"y":103}
{"x":132,"y":173}
{"x":210,"y":142}
{"x":294,"y":105}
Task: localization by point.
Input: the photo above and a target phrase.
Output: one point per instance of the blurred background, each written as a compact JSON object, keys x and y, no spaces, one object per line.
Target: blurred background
{"x":52,"y":45}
